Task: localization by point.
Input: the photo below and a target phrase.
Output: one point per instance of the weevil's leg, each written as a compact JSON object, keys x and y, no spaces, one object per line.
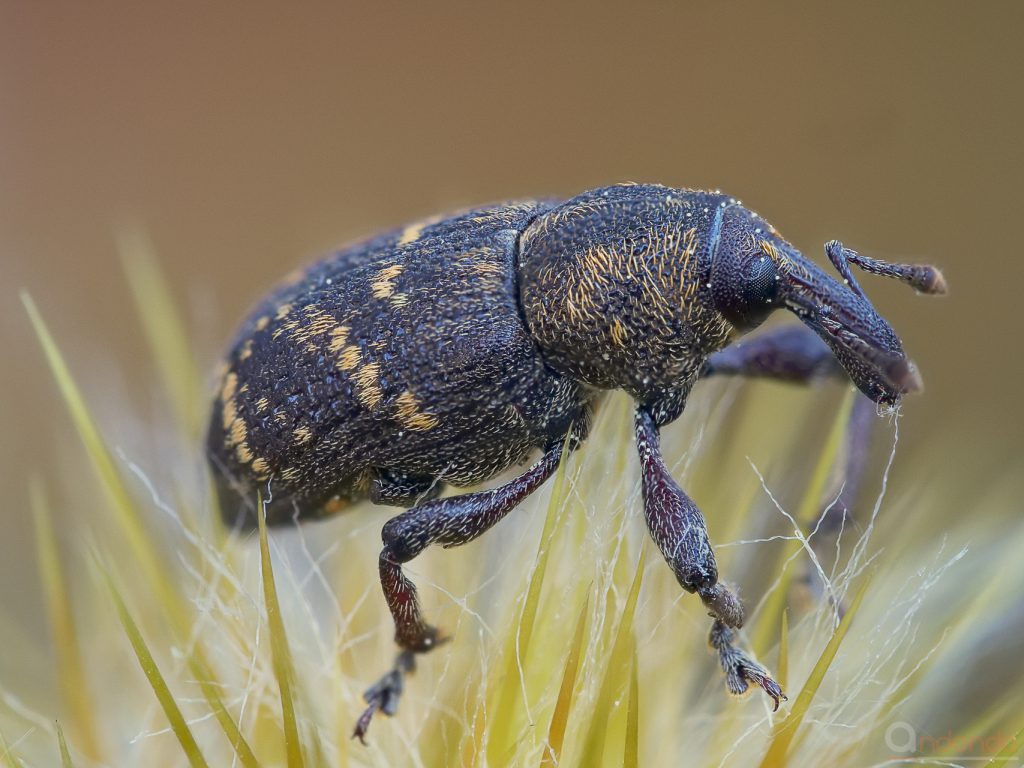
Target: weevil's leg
{"x":678,"y":528}
{"x":449,"y":522}
{"x":923,"y":277}
{"x":400,"y":490}
{"x":794,"y":353}
{"x":791,"y":353}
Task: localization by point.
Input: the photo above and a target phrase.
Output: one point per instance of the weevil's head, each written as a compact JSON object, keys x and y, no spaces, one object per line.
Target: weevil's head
{"x":755,"y":271}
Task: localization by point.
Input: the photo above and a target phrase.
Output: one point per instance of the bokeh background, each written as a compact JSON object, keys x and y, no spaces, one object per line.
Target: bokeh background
{"x":248,"y":137}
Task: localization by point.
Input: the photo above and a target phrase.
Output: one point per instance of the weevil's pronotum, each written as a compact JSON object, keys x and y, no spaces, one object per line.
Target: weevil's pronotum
{"x":446,"y":352}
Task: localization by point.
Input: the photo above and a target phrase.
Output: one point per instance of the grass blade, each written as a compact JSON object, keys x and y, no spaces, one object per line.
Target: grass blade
{"x":563,"y":704}
{"x":163,"y":326}
{"x":503,"y":721}
{"x":1014,"y":748}
{"x":279,"y":647}
{"x":10,"y":759}
{"x":65,"y":753}
{"x":70,"y":669}
{"x":156,"y":680}
{"x":207,"y":684}
{"x":786,"y":729}
{"x":103,"y":464}
{"x":782,"y":676}
{"x":765,"y":632}
{"x":631,"y":752}
{"x":614,"y":674}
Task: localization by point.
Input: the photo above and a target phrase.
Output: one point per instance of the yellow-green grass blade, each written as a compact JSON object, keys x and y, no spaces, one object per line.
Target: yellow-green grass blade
{"x":11,"y":760}
{"x":563,"y":704}
{"x":70,"y":669}
{"x":614,"y":680}
{"x":1014,"y":748}
{"x":208,"y":685}
{"x":163,"y":326}
{"x":65,"y":753}
{"x":782,"y":671}
{"x":631,"y":752}
{"x":503,"y":720}
{"x":785,"y":730}
{"x":279,"y":647}
{"x":767,"y":627}
{"x":125,"y":511}
{"x":156,"y":680}
{"x":128,"y":520}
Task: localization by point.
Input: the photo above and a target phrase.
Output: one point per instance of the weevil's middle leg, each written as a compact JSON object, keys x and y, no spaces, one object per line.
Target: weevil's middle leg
{"x":449,"y":522}
{"x":678,"y":528}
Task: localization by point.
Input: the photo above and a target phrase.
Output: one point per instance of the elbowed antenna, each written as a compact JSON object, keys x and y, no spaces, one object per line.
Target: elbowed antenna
{"x":922,"y":277}
{"x":843,"y":316}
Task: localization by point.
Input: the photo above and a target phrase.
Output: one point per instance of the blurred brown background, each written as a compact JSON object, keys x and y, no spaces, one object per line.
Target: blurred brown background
{"x":249,"y":137}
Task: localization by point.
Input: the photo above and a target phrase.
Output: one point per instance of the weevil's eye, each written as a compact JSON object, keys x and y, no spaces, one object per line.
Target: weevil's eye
{"x":748,"y":293}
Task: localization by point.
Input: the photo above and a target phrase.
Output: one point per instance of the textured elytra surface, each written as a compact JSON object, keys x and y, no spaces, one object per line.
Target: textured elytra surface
{"x":402,"y":361}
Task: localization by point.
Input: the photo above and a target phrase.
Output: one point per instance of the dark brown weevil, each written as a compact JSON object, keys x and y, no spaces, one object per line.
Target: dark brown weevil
{"x":448,"y":351}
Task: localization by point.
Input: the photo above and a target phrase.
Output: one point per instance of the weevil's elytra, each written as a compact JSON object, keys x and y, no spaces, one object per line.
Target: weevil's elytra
{"x":445,"y":352}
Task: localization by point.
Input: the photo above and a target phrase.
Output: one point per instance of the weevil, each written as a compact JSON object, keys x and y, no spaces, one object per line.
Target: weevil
{"x":444,"y":353}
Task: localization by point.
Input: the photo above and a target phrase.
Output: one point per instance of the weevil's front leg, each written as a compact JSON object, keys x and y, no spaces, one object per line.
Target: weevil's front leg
{"x":791,"y":353}
{"x":794,"y":353}
{"x":449,"y":522}
{"x":678,"y":528}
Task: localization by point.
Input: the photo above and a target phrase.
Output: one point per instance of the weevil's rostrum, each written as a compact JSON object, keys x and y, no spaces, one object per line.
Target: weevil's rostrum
{"x":446,"y":352}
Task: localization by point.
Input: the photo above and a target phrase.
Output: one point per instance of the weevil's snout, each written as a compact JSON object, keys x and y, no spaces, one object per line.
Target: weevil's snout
{"x":862,"y":341}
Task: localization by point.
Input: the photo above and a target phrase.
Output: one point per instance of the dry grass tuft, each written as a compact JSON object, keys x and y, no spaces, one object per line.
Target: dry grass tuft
{"x":573,"y":645}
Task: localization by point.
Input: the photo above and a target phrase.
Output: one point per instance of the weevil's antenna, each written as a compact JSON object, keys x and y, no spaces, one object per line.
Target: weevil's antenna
{"x":922,"y":277}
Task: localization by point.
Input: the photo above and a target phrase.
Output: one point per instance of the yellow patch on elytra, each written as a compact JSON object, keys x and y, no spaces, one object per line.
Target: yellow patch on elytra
{"x":290,"y":474}
{"x":246,"y":351}
{"x":261,"y":467}
{"x":262,"y":323}
{"x":339,"y":338}
{"x":228,"y":413}
{"x":383,"y":284}
{"x":408,"y":413}
{"x":262,"y":404}
{"x":237,"y":432}
{"x":399,"y":300}
{"x":281,"y":417}
{"x":367,"y":387}
{"x":302,"y":435}
{"x":243,"y":453}
{"x":228,"y":387}
{"x":412,"y":233}
{"x":283,"y":311}
{"x":349,"y":359}
{"x":618,"y":331}
{"x":317,"y":324}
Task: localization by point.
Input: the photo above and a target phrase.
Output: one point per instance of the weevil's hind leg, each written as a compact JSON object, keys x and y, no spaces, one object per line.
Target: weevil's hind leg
{"x":678,"y":528}
{"x":449,"y":522}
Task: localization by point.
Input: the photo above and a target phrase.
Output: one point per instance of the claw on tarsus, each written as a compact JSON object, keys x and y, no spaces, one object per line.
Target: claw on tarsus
{"x":740,"y":670}
{"x":384,"y":694}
